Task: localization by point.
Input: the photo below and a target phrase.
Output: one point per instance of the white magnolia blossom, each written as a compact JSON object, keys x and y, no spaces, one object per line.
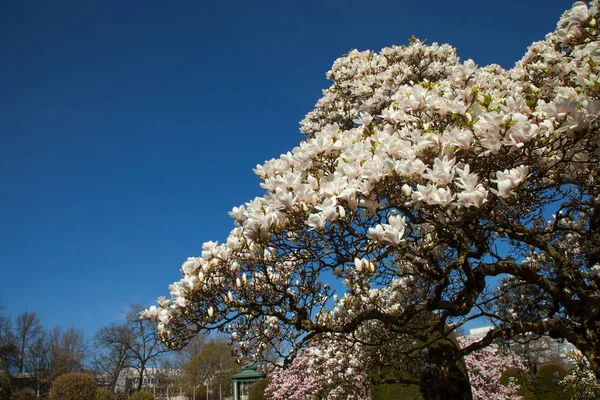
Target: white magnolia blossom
{"x":409,"y":154}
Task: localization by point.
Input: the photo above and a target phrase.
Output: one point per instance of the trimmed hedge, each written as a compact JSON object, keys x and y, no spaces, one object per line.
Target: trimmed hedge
{"x":73,"y":386}
{"x":141,"y":395}
{"x":393,"y":391}
{"x":522,"y":380}
{"x":257,"y":391}
{"x":546,"y":382}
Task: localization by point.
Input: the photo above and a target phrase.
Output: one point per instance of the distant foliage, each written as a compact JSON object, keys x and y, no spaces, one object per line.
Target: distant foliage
{"x":103,"y":394}
{"x":73,"y":386}
{"x":141,"y":395}
{"x":5,"y":386}
{"x":23,"y":394}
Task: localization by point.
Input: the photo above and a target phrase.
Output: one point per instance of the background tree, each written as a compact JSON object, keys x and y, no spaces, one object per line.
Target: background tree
{"x":27,"y":329}
{"x":68,"y":350}
{"x":39,"y":362}
{"x":190,"y":350}
{"x":144,"y":344}
{"x":112,"y":350}
{"x":211,"y":368}
{"x":8,"y":344}
{"x":422,"y":180}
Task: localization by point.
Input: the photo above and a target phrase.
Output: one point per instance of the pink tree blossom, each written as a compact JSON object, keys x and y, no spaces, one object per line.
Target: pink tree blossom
{"x":485,"y":368}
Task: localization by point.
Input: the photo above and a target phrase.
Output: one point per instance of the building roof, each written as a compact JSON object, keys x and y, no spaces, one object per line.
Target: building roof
{"x":248,"y":373}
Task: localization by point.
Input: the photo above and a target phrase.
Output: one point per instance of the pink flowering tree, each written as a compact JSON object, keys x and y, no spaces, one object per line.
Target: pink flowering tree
{"x":420,"y":179}
{"x":295,"y":382}
{"x":325,"y":369}
{"x":331,"y":371}
{"x":485,"y":367}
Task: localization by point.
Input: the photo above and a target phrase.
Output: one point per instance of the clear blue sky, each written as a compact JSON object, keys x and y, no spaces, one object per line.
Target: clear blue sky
{"x":128,"y":129}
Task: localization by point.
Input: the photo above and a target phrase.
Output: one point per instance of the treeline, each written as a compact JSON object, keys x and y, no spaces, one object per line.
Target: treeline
{"x":27,"y":347}
{"x":123,"y":358}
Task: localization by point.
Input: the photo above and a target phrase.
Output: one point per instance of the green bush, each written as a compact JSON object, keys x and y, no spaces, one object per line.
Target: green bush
{"x":257,"y":391}
{"x":103,"y":394}
{"x":23,"y":394}
{"x":141,"y":395}
{"x":522,"y":380}
{"x":73,"y":386}
{"x":5,"y":386}
{"x":546,"y":382}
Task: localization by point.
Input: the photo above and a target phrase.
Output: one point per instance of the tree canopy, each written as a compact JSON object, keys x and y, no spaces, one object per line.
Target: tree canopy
{"x":421,"y":183}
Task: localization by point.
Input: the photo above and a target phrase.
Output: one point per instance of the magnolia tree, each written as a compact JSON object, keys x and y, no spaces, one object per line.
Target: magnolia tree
{"x":421,"y":177}
{"x":326,"y":370}
{"x":333,"y":371}
{"x":485,"y":368}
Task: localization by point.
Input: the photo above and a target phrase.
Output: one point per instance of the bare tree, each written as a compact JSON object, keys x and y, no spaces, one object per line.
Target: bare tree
{"x":39,"y":361}
{"x":113,"y":352}
{"x":68,"y":350}
{"x":191,"y":349}
{"x":145,"y":345}
{"x":28,"y":329}
{"x":8,"y":347}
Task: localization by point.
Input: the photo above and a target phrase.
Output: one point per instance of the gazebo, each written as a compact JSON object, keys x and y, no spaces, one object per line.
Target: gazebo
{"x":244,"y":379}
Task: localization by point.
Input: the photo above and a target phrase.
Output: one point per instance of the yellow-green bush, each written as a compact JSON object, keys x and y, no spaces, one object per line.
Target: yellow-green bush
{"x":141,"y":395}
{"x":103,"y":394}
{"x":73,"y":386}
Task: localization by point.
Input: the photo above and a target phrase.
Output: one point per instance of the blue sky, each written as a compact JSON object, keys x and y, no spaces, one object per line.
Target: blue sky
{"x":129,"y":129}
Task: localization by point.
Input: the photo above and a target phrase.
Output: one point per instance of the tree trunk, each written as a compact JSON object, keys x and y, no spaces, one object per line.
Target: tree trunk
{"x":444,"y":378}
{"x":22,"y":356}
{"x":141,"y":380}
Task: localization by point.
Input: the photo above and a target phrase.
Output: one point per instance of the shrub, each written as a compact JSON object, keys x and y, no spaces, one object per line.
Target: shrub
{"x":5,"y":386}
{"x":23,"y":394}
{"x":73,"y":386}
{"x":546,"y":382}
{"x":103,"y":394}
{"x":141,"y":395}
{"x":257,"y":391}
